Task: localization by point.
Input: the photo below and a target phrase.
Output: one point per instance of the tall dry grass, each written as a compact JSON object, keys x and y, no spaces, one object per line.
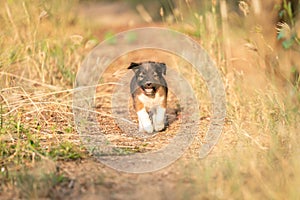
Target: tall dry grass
{"x":258,"y":154}
{"x":42,"y":45}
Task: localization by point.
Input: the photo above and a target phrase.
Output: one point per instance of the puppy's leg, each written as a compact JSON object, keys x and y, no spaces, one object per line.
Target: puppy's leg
{"x":159,"y":118}
{"x":144,"y":121}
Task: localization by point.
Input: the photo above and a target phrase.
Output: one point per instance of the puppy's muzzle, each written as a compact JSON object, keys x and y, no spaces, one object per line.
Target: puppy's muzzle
{"x":149,"y":88}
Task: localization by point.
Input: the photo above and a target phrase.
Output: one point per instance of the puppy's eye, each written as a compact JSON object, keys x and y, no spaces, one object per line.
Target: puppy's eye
{"x":155,"y":75}
{"x":141,"y":76}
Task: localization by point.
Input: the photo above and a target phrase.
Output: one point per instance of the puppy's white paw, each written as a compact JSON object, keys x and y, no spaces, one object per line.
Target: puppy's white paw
{"x":149,"y":129}
{"x":145,"y":124}
{"x":159,"y":127}
{"x":159,"y":119}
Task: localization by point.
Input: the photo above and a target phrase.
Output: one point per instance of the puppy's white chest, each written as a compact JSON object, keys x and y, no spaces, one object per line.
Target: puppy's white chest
{"x":151,"y":102}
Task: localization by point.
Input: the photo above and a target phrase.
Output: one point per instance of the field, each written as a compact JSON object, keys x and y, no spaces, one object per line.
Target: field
{"x":43,"y":45}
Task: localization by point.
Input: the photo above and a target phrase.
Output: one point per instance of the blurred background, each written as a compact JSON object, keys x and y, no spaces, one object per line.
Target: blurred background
{"x":256,"y":47}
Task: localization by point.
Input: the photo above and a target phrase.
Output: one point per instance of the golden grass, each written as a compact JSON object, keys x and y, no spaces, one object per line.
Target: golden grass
{"x":42,"y":46}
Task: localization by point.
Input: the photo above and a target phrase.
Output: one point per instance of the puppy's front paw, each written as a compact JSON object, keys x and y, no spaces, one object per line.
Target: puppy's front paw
{"x":149,"y":129}
{"x":159,"y":127}
{"x":145,"y":124}
{"x":159,"y":119}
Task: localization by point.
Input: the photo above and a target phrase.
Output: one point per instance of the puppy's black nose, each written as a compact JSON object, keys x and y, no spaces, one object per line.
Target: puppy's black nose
{"x":148,"y":83}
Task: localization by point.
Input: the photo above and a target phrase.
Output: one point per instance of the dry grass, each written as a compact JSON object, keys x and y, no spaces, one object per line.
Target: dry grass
{"x":42,"y":50}
{"x":43,"y":44}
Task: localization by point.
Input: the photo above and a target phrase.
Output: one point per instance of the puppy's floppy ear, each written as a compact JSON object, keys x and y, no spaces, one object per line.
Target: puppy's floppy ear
{"x":163,"y":68}
{"x":134,"y":66}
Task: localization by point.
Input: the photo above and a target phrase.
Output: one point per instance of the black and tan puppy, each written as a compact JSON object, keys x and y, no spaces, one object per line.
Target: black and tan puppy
{"x":149,"y":92}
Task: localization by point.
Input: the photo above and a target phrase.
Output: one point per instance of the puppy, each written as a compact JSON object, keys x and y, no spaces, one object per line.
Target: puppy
{"x":149,"y":91}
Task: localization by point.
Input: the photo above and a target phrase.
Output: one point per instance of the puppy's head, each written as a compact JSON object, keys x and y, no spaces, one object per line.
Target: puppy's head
{"x":149,"y":76}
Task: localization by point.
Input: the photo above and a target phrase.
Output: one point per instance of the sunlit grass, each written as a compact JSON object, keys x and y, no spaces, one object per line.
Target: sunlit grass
{"x":43,"y":44}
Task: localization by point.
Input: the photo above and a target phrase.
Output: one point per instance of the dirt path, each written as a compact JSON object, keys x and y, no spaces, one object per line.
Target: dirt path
{"x":89,"y":179}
